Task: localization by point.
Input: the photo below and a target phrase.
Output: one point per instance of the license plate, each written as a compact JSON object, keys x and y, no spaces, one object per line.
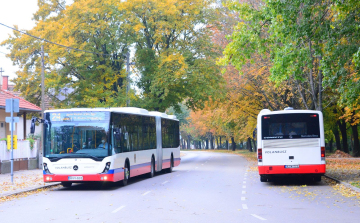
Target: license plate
{"x":291,"y":166}
{"x":75,"y":178}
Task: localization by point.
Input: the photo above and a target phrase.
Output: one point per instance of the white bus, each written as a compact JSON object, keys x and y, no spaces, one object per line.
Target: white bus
{"x":290,"y":142}
{"x":108,"y":144}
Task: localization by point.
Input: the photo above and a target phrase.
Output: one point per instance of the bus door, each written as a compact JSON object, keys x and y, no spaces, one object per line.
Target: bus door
{"x":159,"y":152}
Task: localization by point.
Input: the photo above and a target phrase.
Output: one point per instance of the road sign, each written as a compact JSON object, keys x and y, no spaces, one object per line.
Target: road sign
{"x":8,"y":119}
{"x":8,"y":143}
{"x":12,"y":105}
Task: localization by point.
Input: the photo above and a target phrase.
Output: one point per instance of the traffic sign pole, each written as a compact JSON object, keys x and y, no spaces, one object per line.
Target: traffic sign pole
{"x":12,"y":141}
{"x":12,"y":105}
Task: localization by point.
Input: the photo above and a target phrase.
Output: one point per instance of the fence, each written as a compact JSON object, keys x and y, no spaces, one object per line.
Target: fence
{"x":22,"y":152}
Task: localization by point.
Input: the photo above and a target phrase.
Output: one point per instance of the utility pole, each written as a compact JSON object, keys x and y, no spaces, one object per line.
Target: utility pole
{"x":42,"y":106}
{"x":127,"y":78}
{"x":1,"y":71}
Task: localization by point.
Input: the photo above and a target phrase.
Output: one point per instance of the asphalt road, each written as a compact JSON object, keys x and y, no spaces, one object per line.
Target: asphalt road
{"x":206,"y":187}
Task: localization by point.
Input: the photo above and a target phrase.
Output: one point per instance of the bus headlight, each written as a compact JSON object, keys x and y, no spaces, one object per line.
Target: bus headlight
{"x":46,"y":168}
{"x":107,"y":167}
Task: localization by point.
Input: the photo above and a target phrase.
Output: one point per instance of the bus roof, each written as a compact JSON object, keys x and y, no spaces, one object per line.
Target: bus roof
{"x":127,"y":110}
{"x":268,"y":112}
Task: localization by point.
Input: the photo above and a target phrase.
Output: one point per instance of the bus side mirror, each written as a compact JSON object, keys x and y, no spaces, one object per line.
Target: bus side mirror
{"x":32,"y":126}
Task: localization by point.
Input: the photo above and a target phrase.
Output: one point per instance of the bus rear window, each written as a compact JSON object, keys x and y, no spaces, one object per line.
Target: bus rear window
{"x":287,"y":126}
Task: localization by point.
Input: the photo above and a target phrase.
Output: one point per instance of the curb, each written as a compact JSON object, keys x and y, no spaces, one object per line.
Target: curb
{"x":343,"y":183}
{"x":28,"y":190}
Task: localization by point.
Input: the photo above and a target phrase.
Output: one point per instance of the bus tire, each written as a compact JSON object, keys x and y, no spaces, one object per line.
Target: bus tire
{"x":126,"y":175}
{"x":263,"y":179}
{"x":66,"y":184}
{"x":152,"y":168}
{"x":169,"y":170}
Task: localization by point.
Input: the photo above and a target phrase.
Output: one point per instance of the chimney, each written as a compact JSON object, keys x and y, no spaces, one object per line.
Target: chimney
{"x":5,"y":83}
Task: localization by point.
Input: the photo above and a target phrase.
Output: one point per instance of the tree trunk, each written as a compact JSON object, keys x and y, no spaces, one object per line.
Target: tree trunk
{"x":254,"y":143}
{"x":342,"y":127}
{"x":331,"y":145}
{"x":207,"y":144}
{"x":248,"y":143}
{"x":356,"y":149}
{"x":188,"y":146}
{"x":211,"y":141}
{"x":227,"y":144}
{"x":337,"y":138}
{"x":233,"y":144}
{"x":217,"y":142}
{"x":220,"y":143}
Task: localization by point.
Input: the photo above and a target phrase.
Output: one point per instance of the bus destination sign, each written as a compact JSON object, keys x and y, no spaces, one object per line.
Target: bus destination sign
{"x":78,"y":116}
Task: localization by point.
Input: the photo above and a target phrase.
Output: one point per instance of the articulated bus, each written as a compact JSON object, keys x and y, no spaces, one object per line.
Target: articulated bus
{"x":290,"y":142}
{"x":108,"y":144}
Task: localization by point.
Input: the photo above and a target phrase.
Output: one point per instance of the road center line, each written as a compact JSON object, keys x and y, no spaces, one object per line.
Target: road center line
{"x":244,"y":206}
{"x":244,"y":186}
{"x":243,"y":198}
{"x":254,"y":215}
{"x":243,"y":192}
{"x":116,"y":210}
{"x":147,"y":192}
{"x":165,"y":182}
{"x":244,"y":182}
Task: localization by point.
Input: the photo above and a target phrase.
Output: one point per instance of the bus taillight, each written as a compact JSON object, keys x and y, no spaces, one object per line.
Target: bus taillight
{"x":260,"y":154}
{"x":322,"y":152}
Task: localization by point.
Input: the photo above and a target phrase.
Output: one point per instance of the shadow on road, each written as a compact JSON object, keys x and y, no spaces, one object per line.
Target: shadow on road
{"x":105,"y":186}
{"x":295,"y":181}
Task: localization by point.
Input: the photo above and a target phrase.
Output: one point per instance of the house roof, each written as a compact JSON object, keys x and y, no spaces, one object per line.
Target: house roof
{"x":23,"y":104}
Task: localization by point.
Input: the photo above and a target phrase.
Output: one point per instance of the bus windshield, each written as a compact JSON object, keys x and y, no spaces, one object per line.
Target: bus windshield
{"x":77,"y":139}
{"x":287,"y":126}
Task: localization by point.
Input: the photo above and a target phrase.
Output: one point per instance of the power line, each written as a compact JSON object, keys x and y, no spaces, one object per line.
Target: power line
{"x":48,"y":41}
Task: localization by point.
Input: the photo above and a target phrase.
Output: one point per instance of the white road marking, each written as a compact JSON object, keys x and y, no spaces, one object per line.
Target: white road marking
{"x":244,"y":186}
{"x":165,"y":182}
{"x":244,"y":182}
{"x":196,"y":167}
{"x":178,"y":175}
{"x":243,"y":192}
{"x":147,"y":192}
{"x":243,"y":198}
{"x":244,"y":206}
{"x":116,"y":210}
{"x":254,"y":215}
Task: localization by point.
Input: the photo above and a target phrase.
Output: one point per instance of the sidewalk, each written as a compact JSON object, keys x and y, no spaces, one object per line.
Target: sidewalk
{"x":23,"y":181}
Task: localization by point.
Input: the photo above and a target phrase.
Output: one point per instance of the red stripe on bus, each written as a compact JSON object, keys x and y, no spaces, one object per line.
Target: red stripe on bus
{"x":303,"y":169}
{"x":86,"y":177}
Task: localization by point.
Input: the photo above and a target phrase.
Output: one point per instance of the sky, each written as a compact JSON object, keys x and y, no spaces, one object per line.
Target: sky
{"x":14,"y":12}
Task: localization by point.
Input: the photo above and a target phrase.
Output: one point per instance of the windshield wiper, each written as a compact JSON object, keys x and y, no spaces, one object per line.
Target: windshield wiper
{"x":94,"y":157}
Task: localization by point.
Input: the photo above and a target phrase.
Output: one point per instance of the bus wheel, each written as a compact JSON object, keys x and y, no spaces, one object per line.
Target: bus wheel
{"x":169,"y":170}
{"x":126,"y":176}
{"x":66,"y":184}
{"x":263,"y":179}
{"x":152,"y":168}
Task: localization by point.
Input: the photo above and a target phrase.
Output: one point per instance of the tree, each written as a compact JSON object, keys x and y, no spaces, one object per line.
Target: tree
{"x":173,"y":51}
{"x":95,"y":72}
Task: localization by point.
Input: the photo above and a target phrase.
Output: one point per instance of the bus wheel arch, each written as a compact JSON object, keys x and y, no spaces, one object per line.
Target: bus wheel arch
{"x":152,"y":167}
{"x":170,"y":169}
{"x":126,"y":172}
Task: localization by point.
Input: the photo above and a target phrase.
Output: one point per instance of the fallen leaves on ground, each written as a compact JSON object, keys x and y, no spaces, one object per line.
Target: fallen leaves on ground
{"x":21,"y":182}
{"x":344,"y":169}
